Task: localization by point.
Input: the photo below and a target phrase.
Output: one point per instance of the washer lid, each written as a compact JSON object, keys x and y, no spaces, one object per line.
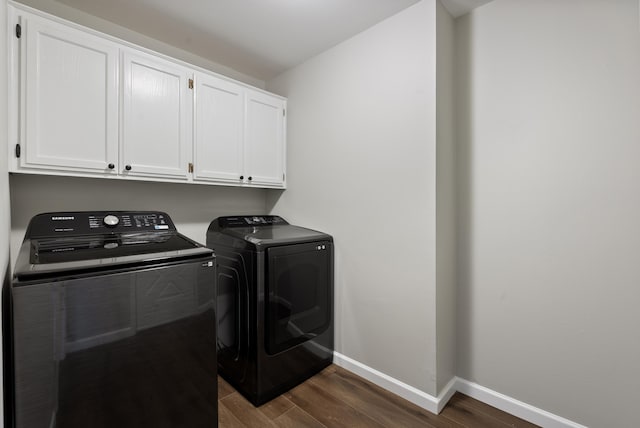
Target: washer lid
{"x":44,"y":260}
{"x":101,"y":246}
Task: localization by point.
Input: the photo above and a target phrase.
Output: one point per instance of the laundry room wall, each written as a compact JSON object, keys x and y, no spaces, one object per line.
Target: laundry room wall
{"x":361,"y":166}
{"x":191,"y":206}
{"x":549,"y":125}
{"x":446,"y":212}
{"x":5,"y":224}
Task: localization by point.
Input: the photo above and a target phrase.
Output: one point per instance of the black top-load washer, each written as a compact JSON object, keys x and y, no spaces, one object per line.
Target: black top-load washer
{"x":275,"y":303}
{"x":112,"y":323}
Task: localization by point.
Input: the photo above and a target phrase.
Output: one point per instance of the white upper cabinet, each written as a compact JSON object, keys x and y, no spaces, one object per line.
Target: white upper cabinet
{"x":264,"y":139}
{"x":239,"y":134}
{"x":69,"y":88}
{"x":156,"y":136}
{"x":87,"y":104}
{"x":219,"y":122}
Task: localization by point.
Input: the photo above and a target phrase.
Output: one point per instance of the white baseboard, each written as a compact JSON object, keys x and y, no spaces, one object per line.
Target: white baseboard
{"x":408,"y":392}
{"x":515,"y":407}
{"x":436,"y":404}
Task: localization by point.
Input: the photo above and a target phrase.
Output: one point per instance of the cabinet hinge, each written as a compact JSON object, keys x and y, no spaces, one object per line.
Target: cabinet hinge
{"x":17,"y":150}
{"x":18,"y":30}
{"x":190,"y":167}
{"x":190,"y":83}
{"x":284,"y":112}
{"x":283,"y":176}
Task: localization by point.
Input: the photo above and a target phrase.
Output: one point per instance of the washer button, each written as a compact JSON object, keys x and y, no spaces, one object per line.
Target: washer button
{"x":111,"y":220}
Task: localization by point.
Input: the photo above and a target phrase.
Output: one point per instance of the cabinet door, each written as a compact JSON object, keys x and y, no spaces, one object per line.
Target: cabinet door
{"x":157,"y":108}
{"x":264,"y":139}
{"x":69,"y":86}
{"x":218,"y":129}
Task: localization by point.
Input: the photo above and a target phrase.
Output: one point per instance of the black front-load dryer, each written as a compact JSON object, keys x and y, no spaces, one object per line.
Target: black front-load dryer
{"x":274,"y":303}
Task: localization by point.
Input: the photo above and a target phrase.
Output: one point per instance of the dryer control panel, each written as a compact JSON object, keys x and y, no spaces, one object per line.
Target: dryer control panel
{"x":245,"y":221}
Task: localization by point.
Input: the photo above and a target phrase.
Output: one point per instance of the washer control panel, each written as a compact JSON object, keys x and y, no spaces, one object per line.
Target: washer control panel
{"x":81,"y":223}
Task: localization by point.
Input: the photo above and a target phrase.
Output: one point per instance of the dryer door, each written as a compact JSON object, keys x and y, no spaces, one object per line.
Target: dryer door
{"x":235,"y":271}
{"x":299,"y":294}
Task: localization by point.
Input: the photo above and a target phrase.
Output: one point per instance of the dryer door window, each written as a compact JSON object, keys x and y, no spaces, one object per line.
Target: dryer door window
{"x":299,"y":296}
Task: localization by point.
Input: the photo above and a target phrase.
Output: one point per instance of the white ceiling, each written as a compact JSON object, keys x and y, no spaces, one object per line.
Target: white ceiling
{"x":260,"y":38}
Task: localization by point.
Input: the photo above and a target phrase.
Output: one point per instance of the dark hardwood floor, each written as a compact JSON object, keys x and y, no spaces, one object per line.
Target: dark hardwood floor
{"x":338,"y":398}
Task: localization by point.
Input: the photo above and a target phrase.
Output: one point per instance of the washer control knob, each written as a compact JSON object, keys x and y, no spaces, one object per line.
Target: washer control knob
{"x":111,"y":221}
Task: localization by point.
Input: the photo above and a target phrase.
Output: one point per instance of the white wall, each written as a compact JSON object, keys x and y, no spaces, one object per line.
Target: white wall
{"x":445,"y":199}
{"x":361,"y":165}
{"x":191,"y":206}
{"x":549,"y":125}
{"x":4,"y":177}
